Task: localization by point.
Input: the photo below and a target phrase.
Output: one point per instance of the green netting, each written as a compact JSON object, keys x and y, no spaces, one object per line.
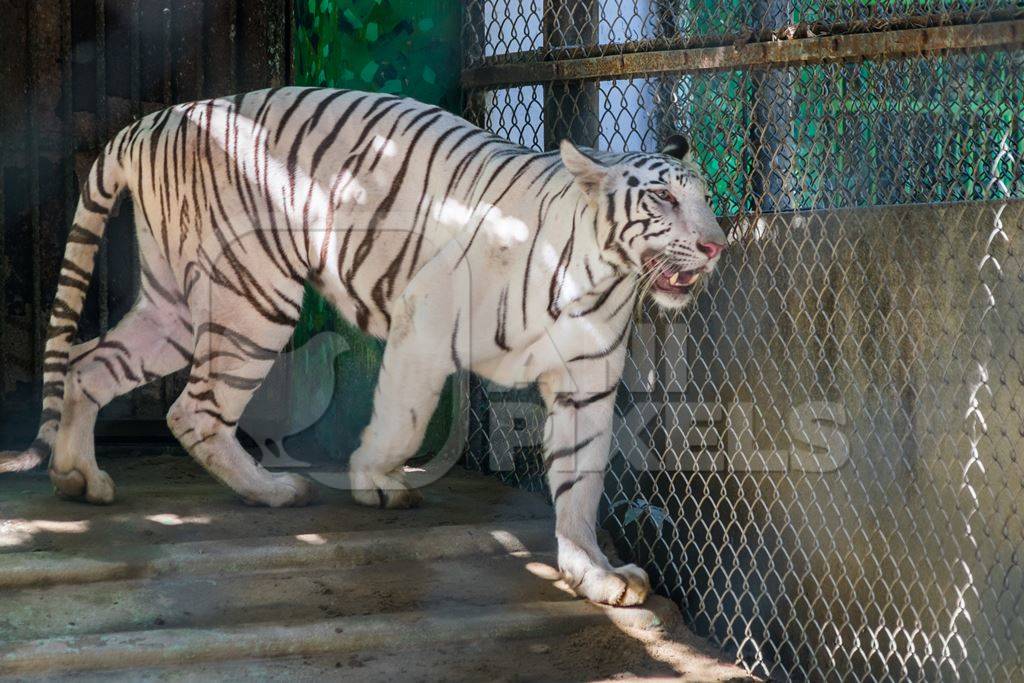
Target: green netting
{"x":848,"y":124}
{"x":405,"y":47}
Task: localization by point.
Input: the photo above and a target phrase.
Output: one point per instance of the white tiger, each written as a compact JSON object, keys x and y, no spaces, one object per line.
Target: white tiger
{"x":462,"y":250}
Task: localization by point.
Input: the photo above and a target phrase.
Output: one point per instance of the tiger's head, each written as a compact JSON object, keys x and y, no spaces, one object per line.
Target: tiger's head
{"x":653,"y":216}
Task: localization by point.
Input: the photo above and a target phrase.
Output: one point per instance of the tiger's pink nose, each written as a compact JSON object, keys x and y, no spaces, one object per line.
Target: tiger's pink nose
{"x":711,"y":249}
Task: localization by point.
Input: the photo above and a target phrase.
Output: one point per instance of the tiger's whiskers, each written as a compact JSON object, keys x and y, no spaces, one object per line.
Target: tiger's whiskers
{"x":647,"y":280}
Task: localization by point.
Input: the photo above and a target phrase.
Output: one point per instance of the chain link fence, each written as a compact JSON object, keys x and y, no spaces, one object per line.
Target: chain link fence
{"x":822,"y":459}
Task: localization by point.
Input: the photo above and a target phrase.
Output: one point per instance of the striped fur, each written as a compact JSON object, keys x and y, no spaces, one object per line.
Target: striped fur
{"x":462,"y":250}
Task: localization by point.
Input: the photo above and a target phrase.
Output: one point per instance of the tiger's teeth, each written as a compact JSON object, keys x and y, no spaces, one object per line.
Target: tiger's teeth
{"x":674,"y":280}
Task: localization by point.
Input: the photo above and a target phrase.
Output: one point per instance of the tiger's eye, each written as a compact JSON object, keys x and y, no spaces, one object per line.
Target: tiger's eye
{"x":665,"y":196}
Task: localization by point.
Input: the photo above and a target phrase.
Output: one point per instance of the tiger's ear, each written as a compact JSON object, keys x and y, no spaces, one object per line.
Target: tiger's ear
{"x":677,"y":146}
{"x":589,"y":172}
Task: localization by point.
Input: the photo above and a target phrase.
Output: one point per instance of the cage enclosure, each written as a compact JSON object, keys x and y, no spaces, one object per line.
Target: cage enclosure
{"x":820,"y":459}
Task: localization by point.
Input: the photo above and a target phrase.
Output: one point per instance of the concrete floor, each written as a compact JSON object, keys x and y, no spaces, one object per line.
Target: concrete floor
{"x":179,"y":581}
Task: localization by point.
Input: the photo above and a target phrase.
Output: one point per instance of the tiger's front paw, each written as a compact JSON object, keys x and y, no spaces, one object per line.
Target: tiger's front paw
{"x":624,"y":586}
{"x":376,"y":489}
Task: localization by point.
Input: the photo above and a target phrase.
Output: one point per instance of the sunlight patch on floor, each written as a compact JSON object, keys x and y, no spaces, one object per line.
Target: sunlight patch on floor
{"x":14,"y":532}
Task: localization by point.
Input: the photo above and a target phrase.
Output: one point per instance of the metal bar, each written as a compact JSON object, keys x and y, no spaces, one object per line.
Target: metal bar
{"x":3,"y":271}
{"x":769,"y":134}
{"x":478,"y":443}
{"x":101,"y":68}
{"x":289,"y":24}
{"x":168,"y":70}
{"x":66,"y":48}
{"x":102,"y":131}
{"x":474,"y":32}
{"x":232,"y":45}
{"x":35,"y":220}
{"x":571,"y":110}
{"x":200,"y":46}
{"x":672,"y":40}
{"x":135,"y":61}
{"x":276,"y":42}
{"x":886,"y":44}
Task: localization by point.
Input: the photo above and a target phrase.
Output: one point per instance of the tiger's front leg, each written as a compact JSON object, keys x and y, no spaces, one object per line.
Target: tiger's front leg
{"x":577,"y":443}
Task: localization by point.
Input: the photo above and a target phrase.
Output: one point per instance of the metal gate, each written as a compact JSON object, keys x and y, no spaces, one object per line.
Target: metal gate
{"x":822,"y":460}
{"x":73,"y":73}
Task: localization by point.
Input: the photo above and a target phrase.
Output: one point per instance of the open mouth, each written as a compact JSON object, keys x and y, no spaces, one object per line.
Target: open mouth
{"x":672,"y":281}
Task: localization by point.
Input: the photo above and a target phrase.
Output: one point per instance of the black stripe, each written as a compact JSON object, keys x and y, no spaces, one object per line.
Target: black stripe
{"x":568,"y":401}
{"x":558,"y":277}
{"x":41,"y":447}
{"x":105,"y":362}
{"x":184,"y":352}
{"x":153,"y":284}
{"x":500,"y":331}
{"x":100,"y":164}
{"x":217,"y":416}
{"x":290,"y":111}
{"x":63,"y":311}
{"x":69,"y":265}
{"x":207,"y":396}
{"x":567,"y":451}
{"x":68,"y":281}
{"x":292,"y":161}
{"x":423,"y":193}
{"x":545,"y":205}
{"x":565,"y":487}
{"x":92,"y":399}
{"x":61,"y":330}
{"x":89,"y":205}
{"x":241,"y":342}
{"x":127,"y":370}
{"x":455,"y":333}
{"x":605,"y":352}
{"x":236,"y":381}
{"x":601,"y":300}
{"x":625,"y":300}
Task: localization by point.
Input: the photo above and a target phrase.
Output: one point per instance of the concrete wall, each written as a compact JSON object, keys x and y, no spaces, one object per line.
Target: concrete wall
{"x":901,"y":554}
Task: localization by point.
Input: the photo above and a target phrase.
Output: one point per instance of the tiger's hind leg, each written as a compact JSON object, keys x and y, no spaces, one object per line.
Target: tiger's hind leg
{"x":412,"y":376}
{"x":232,"y":356}
{"x":406,"y":395}
{"x":151,"y":341}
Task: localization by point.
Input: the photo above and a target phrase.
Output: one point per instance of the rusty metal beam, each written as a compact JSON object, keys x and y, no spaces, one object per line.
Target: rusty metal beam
{"x":884,"y":44}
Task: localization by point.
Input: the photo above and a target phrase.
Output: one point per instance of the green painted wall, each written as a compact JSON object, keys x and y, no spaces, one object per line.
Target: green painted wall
{"x":405,"y":47}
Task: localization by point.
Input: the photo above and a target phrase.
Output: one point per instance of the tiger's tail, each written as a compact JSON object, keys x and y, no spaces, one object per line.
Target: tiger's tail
{"x":98,"y":200}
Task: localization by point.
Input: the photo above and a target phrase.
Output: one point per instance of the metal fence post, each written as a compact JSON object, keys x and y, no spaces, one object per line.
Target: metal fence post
{"x":770,"y":121}
{"x":571,"y":108}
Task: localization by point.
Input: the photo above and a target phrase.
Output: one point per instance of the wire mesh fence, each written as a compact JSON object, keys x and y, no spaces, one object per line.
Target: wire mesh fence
{"x":821,"y":459}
